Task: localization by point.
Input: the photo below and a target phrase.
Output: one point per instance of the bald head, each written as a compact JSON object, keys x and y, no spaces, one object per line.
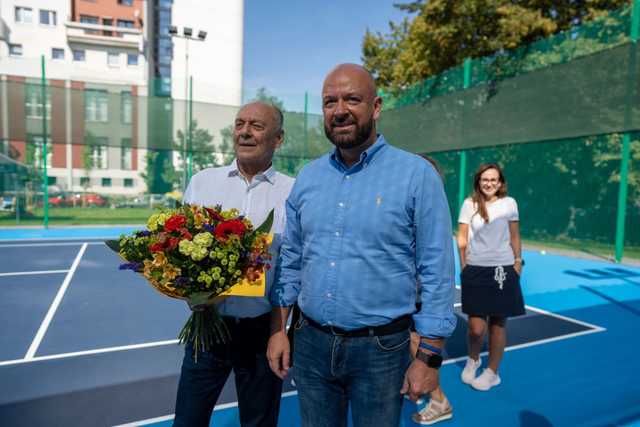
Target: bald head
{"x":267,"y":108}
{"x":356,"y":73}
{"x":351,"y":107}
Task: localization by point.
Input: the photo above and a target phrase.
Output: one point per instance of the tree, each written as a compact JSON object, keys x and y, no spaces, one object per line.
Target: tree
{"x":443,"y":33}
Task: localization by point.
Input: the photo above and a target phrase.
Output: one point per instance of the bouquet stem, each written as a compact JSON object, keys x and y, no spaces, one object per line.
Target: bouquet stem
{"x":204,"y":329}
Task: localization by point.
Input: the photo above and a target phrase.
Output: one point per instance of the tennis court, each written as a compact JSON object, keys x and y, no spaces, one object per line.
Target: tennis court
{"x":82,"y":343}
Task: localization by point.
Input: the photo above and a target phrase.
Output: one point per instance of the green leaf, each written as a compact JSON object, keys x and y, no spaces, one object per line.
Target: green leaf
{"x":114,"y":245}
{"x":265,"y":227}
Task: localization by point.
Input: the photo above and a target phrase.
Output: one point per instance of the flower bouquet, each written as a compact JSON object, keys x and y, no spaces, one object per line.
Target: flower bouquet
{"x":201,"y":255}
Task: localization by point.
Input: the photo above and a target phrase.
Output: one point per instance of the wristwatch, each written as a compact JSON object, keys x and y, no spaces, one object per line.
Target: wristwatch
{"x":431,"y":360}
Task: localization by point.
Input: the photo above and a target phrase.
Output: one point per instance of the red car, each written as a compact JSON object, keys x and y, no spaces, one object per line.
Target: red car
{"x":86,"y":199}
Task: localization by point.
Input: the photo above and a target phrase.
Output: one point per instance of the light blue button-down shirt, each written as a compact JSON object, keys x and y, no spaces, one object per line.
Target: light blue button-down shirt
{"x":226,"y":186}
{"x":358,"y":238}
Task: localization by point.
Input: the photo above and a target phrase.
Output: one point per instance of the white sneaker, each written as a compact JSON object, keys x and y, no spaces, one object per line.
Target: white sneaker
{"x":486,"y":380}
{"x":469,"y":371}
{"x":434,"y":412}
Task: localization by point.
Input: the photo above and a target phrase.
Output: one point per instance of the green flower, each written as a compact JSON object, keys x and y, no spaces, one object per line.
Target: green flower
{"x":198,"y":253}
{"x":186,"y":247}
{"x":203,"y":239}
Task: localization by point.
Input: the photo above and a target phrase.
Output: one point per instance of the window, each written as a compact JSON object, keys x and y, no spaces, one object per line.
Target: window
{"x":88,"y":19}
{"x":128,"y":182}
{"x":33,"y":102}
{"x":78,"y":55}
{"x":99,"y":154}
{"x":132,"y":59}
{"x":107,"y":22}
{"x":15,"y":49}
{"x":106,"y":182}
{"x":113,"y":59}
{"x":126,"y":2}
{"x":126,"y":107}
{"x":85,"y":181}
{"x":126,"y":157}
{"x":125,"y":23}
{"x":48,"y":17}
{"x":24,"y":15}
{"x":52,"y":180}
{"x":57,"y":53}
{"x":96,"y":105}
{"x":37,"y":152}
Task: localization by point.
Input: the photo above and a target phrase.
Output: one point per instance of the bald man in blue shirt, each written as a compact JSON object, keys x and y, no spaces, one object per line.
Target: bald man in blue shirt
{"x":364,"y":224}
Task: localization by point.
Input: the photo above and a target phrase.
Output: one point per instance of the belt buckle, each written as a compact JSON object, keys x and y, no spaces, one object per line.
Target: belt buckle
{"x":334,"y":332}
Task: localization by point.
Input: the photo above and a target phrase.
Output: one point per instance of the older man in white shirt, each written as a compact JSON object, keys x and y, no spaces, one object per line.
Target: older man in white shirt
{"x":251,"y":185}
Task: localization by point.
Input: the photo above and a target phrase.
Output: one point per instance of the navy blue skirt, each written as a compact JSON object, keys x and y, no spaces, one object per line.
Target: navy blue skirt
{"x":491,"y":291}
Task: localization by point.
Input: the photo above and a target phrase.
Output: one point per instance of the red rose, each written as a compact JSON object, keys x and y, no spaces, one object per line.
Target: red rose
{"x":156,"y":247}
{"x":224,"y":229}
{"x":174,"y":223}
{"x":172,"y":243}
{"x":185,"y":234}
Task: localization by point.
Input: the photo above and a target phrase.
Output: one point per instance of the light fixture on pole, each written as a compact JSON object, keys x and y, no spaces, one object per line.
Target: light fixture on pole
{"x":187,"y":35}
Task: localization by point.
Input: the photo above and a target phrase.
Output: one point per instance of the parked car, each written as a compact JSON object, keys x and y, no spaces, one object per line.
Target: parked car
{"x":58,"y":200}
{"x":7,"y":203}
{"x":86,"y":200}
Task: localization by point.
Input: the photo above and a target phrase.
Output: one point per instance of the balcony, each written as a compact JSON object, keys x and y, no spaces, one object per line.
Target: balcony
{"x":104,"y":35}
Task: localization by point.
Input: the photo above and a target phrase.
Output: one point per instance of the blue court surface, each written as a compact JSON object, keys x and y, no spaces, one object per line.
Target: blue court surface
{"x":84,"y":344}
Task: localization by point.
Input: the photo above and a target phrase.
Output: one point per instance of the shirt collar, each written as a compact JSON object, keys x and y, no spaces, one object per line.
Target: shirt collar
{"x":268,"y":175}
{"x":365,"y":157}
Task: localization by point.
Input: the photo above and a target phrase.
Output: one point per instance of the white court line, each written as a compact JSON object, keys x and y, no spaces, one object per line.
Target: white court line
{"x":54,"y":306}
{"x":172,"y":416}
{"x":86,"y":352}
{"x":559,"y":316}
{"x":26,"y":245}
{"x":26,"y":273}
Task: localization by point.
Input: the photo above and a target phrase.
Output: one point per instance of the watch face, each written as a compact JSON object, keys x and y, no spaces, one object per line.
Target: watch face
{"x":435,"y":361}
{"x":431,"y":360}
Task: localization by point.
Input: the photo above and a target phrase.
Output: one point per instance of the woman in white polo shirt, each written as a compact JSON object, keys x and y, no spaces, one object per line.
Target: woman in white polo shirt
{"x":490,"y":258}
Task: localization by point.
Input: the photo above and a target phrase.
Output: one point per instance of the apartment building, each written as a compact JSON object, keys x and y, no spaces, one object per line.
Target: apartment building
{"x":108,"y":64}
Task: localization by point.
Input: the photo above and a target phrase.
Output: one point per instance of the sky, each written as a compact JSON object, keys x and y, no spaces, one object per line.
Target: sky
{"x":289,"y":45}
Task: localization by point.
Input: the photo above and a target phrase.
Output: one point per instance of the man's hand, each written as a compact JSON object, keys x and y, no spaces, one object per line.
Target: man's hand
{"x":419,"y":380}
{"x":278,"y":352}
{"x":518,"y":268}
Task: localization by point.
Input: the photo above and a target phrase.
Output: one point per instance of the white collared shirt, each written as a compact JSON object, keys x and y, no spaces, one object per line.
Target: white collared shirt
{"x":268,"y":190}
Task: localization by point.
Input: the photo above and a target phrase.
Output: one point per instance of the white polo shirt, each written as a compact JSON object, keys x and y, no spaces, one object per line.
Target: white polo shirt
{"x":226,"y":186}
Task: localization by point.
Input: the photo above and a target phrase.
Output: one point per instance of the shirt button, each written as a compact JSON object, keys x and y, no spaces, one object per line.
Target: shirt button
{"x":348,"y":177}
{"x":332,"y":264}
{"x":341,"y":204}
{"x":337,"y":234}
{"x":329,"y":323}
{"x":329,"y":295}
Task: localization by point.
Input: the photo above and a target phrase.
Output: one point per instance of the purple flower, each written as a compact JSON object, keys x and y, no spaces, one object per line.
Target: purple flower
{"x":135,"y":266}
{"x":209,"y":227}
{"x":182,"y":281}
{"x":143,"y":233}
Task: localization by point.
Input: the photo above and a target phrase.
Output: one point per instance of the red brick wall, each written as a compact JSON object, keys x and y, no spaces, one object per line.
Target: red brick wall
{"x":15,"y":93}
{"x":58,"y":123}
{"x":77,"y":123}
{"x":110,"y":9}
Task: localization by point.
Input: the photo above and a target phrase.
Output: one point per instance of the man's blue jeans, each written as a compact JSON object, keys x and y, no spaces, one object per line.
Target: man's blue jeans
{"x":332,"y":372}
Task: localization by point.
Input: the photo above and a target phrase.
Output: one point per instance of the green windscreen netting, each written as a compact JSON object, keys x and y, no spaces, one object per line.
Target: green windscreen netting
{"x":552,"y":114}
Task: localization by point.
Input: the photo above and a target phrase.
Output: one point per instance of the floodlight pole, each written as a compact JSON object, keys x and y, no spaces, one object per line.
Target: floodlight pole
{"x":626,"y":140}
{"x":462,"y":174}
{"x":45,"y":179}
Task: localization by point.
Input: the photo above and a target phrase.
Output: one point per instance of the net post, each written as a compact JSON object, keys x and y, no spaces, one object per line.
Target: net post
{"x":626,"y":151}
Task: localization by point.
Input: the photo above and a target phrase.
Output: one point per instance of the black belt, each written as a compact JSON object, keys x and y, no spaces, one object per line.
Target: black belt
{"x":400,"y":324}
